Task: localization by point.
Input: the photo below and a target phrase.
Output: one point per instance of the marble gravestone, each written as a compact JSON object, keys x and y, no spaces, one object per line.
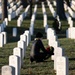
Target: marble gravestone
{"x":14,"y":32}
{"x":18,"y":51}
{"x":7,"y":70}
{"x":62,"y":66}
{"x":14,"y":62}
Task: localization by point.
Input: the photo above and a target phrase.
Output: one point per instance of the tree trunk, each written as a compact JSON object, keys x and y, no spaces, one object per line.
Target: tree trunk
{"x":60,"y":9}
{"x":4,"y":9}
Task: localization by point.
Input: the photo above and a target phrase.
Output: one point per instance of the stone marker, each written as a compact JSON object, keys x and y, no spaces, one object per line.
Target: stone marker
{"x":18,"y":51}
{"x":6,"y":20}
{"x":19,"y":22}
{"x":62,"y":66}
{"x":0,"y":29}
{"x":5,"y":37}
{"x":53,"y":44}
{"x":46,"y":27}
{"x":50,"y":32}
{"x":70,"y":33}
{"x":7,"y":70}
{"x":14,"y":62}
{"x":1,"y":40}
{"x":58,"y":52}
{"x":21,"y":44}
{"x":24,"y":38}
{"x":28,"y":36}
{"x":14,"y":32}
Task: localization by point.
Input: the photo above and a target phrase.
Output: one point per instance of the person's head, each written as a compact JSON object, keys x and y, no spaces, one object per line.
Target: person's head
{"x":39,"y":35}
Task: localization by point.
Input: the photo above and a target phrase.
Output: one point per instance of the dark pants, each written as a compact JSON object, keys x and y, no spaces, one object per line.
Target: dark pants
{"x":39,"y":57}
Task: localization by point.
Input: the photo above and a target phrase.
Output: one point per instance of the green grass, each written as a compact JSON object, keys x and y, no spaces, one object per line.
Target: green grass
{"x":43,"y":68}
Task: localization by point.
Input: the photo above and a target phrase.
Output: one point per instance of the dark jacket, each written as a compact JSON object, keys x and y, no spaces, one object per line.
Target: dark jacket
{"x":37,"y":46}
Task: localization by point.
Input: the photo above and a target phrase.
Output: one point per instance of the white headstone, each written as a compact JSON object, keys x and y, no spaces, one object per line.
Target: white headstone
{"x":58,"y":52}
{"x":24,"y":38}
{"x":14,"y":32}
{"x":52,"y":38}
{"x":4,"y":23}
{"x":0,"y":29}
{"x":6,"y":70}
{"x":46,"y":27}
{"x":21,"y":17}
{"x":53,"y":44}
{"x":5,"y":37}
{"x":1,"y":40}
{"x":31,"y":30}
{"x":21,"y":44}
{"x":6,"y":20}
{"x":50,"y":32}
{"x":62,"y":66}
{"x":71,"y":23}
{"x":18,"y":51}
{"x":9,"y":17}
{"x":14,"y":62}
{"x":19,"y":22}
{"x":70,"y":32}
{"x":28,"y":36}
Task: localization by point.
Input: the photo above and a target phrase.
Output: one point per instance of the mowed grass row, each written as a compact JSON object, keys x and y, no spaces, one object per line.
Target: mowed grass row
{"x":43,"y":68}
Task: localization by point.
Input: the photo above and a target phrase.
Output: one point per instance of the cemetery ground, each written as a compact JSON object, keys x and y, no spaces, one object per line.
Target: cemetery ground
{"x":42,"y":68}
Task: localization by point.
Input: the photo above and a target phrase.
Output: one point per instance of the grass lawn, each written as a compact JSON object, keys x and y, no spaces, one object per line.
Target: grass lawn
{"x":42,"y":68}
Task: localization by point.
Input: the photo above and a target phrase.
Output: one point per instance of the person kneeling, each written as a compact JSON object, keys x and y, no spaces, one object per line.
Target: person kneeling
{"x":38,"y":52}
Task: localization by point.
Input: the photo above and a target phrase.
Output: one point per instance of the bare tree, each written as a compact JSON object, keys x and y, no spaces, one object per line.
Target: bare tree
{"x":4,"y":9}
{"x":60,"y":9}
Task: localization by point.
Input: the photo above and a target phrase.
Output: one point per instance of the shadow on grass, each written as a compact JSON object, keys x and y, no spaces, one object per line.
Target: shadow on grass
{"x":10,"y":38}
{"x":72,"y":68}
{"x":71,"y":59}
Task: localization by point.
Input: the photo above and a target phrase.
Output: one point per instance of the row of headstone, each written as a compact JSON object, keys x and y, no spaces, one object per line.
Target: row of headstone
{"x":69,"y":19}
{"x":71,"y":12}
{"x":71,"y":30}
{"x":11,"y":4}
{"x":51,"y":8}
{"x":51,"y":37}
{"x":3,"y":34}
{"x":22,"y":16}
{"x":15,"y":13}
{"x":14,"y":7}
{"x":9,"y":1}
{"x":19,"y":52}
{"x":72,"y":5}
{"x":31,"y":28}
{"x":60,"y":60}
{"x":45,"y":17}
